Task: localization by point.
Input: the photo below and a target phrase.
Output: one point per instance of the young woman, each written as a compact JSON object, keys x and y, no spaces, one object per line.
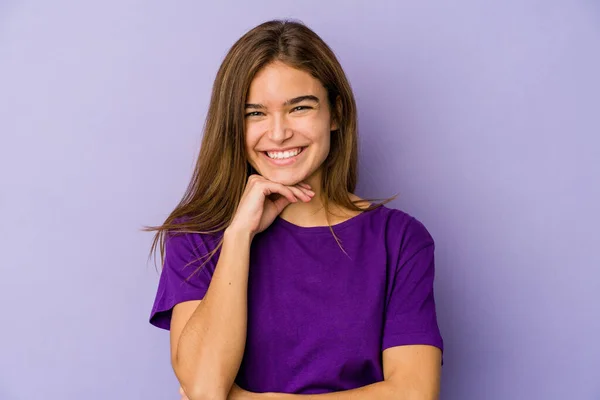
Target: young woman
{"x":277,"y":280}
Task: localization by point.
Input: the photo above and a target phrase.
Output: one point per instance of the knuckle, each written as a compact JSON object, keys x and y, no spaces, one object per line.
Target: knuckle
{"x":254,"y":179}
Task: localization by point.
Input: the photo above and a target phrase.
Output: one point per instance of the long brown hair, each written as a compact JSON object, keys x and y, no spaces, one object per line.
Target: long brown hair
{"x":222,"y":169}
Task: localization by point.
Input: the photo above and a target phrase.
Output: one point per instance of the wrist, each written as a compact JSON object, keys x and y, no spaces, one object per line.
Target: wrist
{"x":236,"y":234}
{"x":278,"y":396}
{"x":266,"y":396}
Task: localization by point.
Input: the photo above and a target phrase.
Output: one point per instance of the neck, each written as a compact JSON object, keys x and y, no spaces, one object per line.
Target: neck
{"x":311,"y":213}
{"x":306,"y":214}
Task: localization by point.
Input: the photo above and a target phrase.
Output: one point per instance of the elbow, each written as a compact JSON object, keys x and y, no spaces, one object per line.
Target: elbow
{"x":206,"y":387}
{"x":199,"y":393}
{"x":198,"y":386}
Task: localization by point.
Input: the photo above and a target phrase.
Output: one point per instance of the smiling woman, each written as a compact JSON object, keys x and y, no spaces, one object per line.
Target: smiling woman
{"x":277,"y":279}
{"x":286,"y":126}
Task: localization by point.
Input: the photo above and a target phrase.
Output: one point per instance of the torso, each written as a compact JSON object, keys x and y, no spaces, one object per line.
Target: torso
{"x":319,"y":317}
{"x":315,"y":314}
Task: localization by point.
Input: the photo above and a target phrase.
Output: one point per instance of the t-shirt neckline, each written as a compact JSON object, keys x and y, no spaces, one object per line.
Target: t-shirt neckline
{"x":323,"y":229}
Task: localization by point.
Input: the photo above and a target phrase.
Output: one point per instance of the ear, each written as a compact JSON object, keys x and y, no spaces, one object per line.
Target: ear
{"x":335,"y":115}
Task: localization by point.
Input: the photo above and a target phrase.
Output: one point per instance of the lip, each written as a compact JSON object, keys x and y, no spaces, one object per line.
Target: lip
{"x":283,"y":162}
{"x":285,"y":149}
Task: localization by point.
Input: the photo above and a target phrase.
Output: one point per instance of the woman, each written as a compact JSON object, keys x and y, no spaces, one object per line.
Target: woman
{"x":277,"y":280}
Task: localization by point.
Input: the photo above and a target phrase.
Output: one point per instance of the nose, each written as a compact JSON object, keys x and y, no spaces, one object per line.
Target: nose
{"x":280,"y":131}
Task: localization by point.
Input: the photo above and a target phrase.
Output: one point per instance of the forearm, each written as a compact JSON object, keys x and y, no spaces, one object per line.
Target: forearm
{"x":381,"y":390}
{"x":212,"y":342}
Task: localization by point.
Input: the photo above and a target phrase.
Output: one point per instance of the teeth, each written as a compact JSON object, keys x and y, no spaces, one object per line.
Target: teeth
{"x":281,"y":155}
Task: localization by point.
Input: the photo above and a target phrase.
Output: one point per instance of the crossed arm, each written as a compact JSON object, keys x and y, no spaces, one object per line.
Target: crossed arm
{"x":411,"y":372}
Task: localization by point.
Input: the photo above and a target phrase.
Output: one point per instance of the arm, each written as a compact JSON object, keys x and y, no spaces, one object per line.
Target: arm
{"x":208,"y":336}
{"x":207,"y":344}
{"x":411,"y":372}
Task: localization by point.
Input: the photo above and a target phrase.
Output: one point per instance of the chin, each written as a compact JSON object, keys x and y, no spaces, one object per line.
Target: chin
{"x":287,"y":178}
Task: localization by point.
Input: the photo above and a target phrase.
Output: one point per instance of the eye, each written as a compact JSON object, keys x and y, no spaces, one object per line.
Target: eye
{"x":301,"y":108}
{"x":254,"y":114}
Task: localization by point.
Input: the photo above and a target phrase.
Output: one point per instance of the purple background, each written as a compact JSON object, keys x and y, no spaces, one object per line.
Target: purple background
{"x":484,"y":117}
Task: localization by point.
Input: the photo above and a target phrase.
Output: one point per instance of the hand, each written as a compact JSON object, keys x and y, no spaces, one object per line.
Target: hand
{"x":182,"y":393}
{"x":263,"y":200}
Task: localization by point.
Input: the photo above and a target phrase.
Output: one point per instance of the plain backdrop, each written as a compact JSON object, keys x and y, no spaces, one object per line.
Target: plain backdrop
{"x":484,"y":116}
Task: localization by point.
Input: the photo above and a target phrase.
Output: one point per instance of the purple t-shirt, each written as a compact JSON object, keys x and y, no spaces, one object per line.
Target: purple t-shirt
{"x":318,"y":319}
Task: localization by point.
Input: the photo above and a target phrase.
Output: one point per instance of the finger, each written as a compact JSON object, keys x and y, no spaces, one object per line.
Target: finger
{"x":254,"y":177}
{"x":269,"y":187}
{"x":183,"y":395}
{"x":308,"y":191}
{"x":304,"y":194}
{"x":305,"y":185}
{"x":281,"y":203}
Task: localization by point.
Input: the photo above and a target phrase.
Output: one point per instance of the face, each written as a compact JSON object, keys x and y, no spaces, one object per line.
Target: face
{"x":287,"y":124}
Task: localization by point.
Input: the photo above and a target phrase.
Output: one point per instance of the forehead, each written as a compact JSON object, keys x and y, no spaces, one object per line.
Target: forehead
{"x":278,"y":82}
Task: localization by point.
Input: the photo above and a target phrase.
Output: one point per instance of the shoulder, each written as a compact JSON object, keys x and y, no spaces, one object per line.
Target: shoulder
{"x":404,"y":229}
{"x":185,"y":238}
{"x":408,"y":241}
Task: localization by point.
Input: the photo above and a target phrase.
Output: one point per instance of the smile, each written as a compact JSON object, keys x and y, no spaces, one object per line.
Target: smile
{"x":279,"y":155}
{"x":283,"y":157}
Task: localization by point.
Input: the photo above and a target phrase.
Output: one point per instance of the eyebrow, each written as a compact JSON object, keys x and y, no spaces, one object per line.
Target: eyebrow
{"x":289,"y":102}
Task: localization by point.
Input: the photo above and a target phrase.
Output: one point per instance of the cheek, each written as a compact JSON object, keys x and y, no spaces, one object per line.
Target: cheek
{"x":322,"y":126}
{"x":252,"y":136}
{"x":318,"y":131}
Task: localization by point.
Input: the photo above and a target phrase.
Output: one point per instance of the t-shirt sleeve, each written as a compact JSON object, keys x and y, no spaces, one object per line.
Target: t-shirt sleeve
{"x":180,"y":280}
{"x":411,"y":313}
